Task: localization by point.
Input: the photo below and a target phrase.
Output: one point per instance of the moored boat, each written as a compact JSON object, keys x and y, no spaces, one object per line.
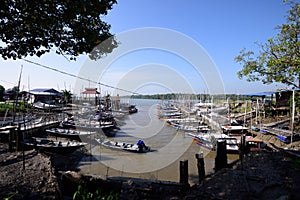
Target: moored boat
{"x":209,"y":141}
{"x":68,"y":133}
{"x":92,"y":126}
{"x":139,"y":147}
{"x":54,"y":146}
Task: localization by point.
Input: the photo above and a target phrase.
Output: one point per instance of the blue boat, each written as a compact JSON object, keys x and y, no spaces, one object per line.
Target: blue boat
{"x":285,"y":139}
{"x":255,"y":128}
{"x":263,"y":132}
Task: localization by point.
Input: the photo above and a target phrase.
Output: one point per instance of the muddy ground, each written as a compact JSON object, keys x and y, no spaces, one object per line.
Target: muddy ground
{"x":261,"y":175}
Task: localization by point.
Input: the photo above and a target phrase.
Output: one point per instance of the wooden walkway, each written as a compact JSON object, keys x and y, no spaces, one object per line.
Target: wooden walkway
{"x":272,"y":124}
{"x":30,"y":128}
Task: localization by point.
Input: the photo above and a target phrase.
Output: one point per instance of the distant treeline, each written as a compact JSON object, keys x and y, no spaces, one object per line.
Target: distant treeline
{"x":202,"y":97}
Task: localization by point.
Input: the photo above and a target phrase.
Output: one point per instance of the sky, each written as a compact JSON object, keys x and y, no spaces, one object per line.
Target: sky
{"x":165,"y":46}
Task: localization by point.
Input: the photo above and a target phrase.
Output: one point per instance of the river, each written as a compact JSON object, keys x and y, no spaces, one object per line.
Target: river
{"x":168,"y":148}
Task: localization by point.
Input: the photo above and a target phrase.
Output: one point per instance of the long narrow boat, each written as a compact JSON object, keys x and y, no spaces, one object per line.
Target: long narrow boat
{"x":71,"y":134}
{"x":54,"y":146}
{"x":209,"y":141}
{"x":106,"y":127}
{"x":233,"y":130}
{"x":139,"y":147}
{"x":292,"y":154}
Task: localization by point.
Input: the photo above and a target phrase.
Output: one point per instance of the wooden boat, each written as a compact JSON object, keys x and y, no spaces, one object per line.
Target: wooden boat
{"x":234,"y":130}
{"x":139,"y":147}
{"x":291,"y":153}
{"x":105,"y":127}
{"x":172,"y":115}
{"x":54,"y":146}
{"x":255,"y":128}
{"x":209,"y":141}
{"x":187,"y":128}
{"x":68,"y":133}
{"x":132,"y":109}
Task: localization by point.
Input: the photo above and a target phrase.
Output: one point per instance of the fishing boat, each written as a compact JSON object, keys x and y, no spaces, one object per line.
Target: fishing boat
{"x":234,"y":130}
{"x":291,"y":153}
{"x":54,"y":146}
{"x":209,"y":141}
{"x":91,"y":126}
{"x":255,"y":129}
{"x":190,"y":128}
{"x":132,"y":109}
{"x":287,"y":138}
{"x":205,"y":141}
{"x":68,"y":133}
{"x":188,"y":125}
{"x":139,"y":147}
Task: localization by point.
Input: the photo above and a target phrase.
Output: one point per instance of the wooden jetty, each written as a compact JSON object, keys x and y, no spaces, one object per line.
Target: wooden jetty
{"x":17,"y":133}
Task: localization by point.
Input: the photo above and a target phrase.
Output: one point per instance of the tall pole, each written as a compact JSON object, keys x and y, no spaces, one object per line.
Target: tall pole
{"x":251,"y":118}
{"x":293,"y":116}
{"x":228,"y":110}
{"x":245,"y":113}
{"x":211,"y":110}
{"x":16,"y":100}
{"x":256,"y":111}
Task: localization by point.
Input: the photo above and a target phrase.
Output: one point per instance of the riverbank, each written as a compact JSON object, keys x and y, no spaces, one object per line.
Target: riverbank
{"x":35,"y":181}
{"x":261,"y":175}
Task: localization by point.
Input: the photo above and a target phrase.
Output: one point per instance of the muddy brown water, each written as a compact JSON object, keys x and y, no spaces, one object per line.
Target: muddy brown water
{"x":168,"y":148}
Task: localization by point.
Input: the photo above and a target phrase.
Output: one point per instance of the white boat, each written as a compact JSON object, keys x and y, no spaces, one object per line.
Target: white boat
{"x":91,"y":126}
{"x":67,"y":133}
{"x":139,"y":147}
{"x":54,"y":146}
{"x":234,"y":130}
{"x":190,"y":128}
{"x":209,"y":141}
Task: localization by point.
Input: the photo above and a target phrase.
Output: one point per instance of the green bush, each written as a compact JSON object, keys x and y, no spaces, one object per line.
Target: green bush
{"x":83,"y":193}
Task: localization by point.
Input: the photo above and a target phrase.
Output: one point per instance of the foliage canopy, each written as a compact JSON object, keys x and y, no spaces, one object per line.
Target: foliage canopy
{"x":69,"y":27}
{"x":279,"y":58}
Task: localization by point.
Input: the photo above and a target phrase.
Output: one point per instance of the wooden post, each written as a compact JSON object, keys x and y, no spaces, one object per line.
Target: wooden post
{"x":184,"y":173}
{"x":18,"y":138}
{"x":200,"y":165}
{"x":242,"y":149}
{"x":221,"y":157}
{"x":10,"y":138}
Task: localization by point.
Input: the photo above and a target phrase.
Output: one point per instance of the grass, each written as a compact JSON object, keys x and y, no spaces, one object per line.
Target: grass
{"x":83,"y":193}
{"x":21,"y":106}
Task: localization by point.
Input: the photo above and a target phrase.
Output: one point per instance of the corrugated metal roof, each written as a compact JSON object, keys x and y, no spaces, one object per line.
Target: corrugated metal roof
{"x":45,"y":91}
{"x":90,"y":91}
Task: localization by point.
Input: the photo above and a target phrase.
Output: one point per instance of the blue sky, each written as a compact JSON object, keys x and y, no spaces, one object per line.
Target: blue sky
{"x":221,"y":28}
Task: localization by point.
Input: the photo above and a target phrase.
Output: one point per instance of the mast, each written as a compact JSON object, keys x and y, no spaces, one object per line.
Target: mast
{"x":256,"y":111}
{"x":251,"y":118}
{"x":245,"y":114}
{"x":211,"y":109}
{"x":293,"y":116}
{"x":16,"y":100}
{"x":229,"y":120}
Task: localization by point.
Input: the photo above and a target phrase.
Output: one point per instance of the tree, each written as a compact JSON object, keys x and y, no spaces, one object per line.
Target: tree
{"x":67,"y":96}
{"x":278,"y":59}
{"x":2,"y":89}
{"x":69,"y":27}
